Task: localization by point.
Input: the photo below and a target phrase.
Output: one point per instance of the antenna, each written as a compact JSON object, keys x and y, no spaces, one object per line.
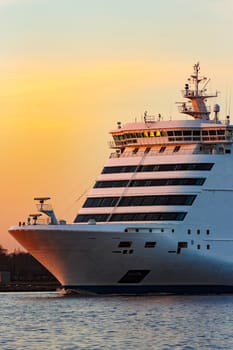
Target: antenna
{"x":207,"y":82}
{"x":228,"y":101}
{"x":229,"y":109}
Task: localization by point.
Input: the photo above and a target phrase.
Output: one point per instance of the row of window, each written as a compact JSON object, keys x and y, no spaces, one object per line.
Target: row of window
{"x":132,"y":229}
{"x":127,"y":244}
{"x":210,"y":148}
{"x":207,"y":246}
{"x":164,"y":133}
{"x":139,"y":201}
{"x":198,"y":231}
{"x":161,"y":150}
{"x":162,"y":216}
{"x":157,"y":167}
{"x":151,"y":182}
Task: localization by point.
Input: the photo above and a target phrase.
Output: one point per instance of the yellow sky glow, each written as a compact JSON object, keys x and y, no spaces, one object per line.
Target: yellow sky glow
{"x":55,"y":123}
{"x":71,"y":69}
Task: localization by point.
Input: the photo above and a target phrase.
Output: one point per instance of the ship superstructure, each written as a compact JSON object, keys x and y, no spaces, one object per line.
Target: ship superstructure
{"x":159,"y":217}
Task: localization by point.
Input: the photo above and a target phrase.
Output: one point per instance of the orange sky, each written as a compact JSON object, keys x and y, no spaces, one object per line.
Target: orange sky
{"x":55,"y":126}
{"x":71,"y":69}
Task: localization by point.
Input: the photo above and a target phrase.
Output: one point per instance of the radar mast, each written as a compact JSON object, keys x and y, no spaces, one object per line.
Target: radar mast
{"x":196,"y":106}
{"x":46,"y":209}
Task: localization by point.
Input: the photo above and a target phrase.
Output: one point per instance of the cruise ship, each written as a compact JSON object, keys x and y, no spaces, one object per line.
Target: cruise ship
{"x":159,"y":218}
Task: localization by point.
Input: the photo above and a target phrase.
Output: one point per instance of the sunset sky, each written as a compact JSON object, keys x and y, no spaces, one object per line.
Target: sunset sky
{"x":70,"y":69}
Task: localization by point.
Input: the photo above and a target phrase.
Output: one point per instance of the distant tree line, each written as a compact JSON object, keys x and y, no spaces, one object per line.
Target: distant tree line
{"x":23,"y":267}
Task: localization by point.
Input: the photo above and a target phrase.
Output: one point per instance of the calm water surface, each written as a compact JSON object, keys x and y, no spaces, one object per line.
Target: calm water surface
{"x":52,"y":321}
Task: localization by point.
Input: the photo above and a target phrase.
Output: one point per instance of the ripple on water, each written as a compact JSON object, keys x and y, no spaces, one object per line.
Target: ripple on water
{"x":51,"y":321}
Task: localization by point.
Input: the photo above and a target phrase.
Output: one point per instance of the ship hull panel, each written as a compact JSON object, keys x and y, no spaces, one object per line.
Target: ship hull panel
{"x":108,"y":260}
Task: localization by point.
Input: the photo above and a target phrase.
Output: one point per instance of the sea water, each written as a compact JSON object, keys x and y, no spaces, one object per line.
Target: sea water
{"x":53,"y":321}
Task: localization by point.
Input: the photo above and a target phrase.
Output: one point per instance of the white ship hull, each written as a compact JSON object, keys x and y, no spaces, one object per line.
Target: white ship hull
{"x":89,"y":260}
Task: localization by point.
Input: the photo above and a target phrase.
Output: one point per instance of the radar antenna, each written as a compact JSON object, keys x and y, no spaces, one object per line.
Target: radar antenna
{"x":46,"y":209}
{"x":35,"y":217}
{"x":41,"y":201}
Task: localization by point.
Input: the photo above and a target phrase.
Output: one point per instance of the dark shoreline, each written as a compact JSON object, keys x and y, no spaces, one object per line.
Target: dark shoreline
{"x":29,"y":287}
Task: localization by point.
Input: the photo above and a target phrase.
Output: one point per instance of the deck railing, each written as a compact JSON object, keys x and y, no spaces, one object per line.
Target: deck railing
{"x":44,"y":206}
